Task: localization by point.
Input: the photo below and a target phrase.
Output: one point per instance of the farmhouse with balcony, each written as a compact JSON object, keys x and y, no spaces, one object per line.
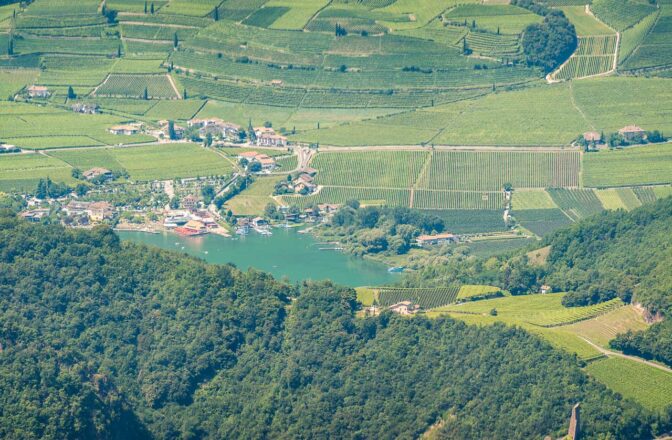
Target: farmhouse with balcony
{"x":429,"y":240}
{"x":126,"y":130}
{"x":267,"y":163}
{"x":38,"y":91}
{"x":632,"y":133}
{"x":266,"y":136}
{"x":404,"y":308}
{"x":89,"y":109}
{"x":96,"y":172}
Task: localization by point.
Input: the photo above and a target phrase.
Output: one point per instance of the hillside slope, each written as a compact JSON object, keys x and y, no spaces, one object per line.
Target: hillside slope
{"x":114,"y":340}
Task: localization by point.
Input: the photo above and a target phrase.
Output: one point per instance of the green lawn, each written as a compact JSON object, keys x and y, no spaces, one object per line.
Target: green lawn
{"x":253,"y":200}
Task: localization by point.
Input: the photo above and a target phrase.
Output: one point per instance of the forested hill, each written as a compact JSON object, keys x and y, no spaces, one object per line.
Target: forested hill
{"x":108,"y":340}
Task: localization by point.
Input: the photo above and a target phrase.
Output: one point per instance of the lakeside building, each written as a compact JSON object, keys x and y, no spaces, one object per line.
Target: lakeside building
{"x":191,"y":228}
{"x":430,"y":240}
{"x":190,"y":202}
{"x":96,"y":211}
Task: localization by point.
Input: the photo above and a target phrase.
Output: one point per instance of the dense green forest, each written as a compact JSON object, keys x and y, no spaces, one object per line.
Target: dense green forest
{"x":102,"y":339}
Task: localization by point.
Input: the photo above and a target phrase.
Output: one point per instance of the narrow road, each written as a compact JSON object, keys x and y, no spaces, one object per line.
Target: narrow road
{"x":610,"y":353}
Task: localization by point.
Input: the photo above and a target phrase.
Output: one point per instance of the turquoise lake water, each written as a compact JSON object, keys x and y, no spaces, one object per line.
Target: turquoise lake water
{"x":284,"y":254}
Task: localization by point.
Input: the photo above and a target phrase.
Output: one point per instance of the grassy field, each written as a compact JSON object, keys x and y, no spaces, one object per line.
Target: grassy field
{"x":152,"y":162}
{"x":253,"y":200}
{"x":21,"y":172}
{"x":647,"y":385}
{"x":586,"y":24}
{"x":631,"y":166}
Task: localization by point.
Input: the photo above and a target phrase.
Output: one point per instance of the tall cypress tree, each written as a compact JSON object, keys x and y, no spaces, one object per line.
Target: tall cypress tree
{"x":151,"y":9}
{"x":145,"y":7}
{"x":145,"y":95}
{"x":176,"y":40}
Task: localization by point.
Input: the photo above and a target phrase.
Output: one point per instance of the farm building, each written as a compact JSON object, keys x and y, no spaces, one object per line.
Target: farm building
{"x":429,"y":240}
{"x":126,"y":130}
{"x":96,"y":172}
{"x":276,"y":82}
{"x":546,"y":289}
{"x":76,"y":207}
{"x":164,"y":131}
{"x":592,"y":136}
{"x":248,"y":155}
{"x":38,"y":91}
{"x":190,"y":202}
{"x":632,"y":133}
{"x":404,"y":308}
{"x":89,"y":109}
{"x":267,"y":163}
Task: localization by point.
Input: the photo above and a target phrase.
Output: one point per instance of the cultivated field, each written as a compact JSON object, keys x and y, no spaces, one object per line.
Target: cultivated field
{"x":631,"y":166}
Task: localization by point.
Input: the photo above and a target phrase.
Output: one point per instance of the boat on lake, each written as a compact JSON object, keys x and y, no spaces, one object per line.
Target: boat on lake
{"x":396,"y":269}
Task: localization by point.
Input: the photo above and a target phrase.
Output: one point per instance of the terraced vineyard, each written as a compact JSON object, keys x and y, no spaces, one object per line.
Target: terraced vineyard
{"x":621,"y":14}
{"x":157,"y":86}
{"x":578,"y":203}
{"x":471,"y":292}
{"x":426,"y":298}
{"x":594,"y":56}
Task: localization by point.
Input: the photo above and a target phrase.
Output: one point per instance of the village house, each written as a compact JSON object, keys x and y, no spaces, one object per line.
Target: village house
{"x":266,"y":136}
{"x":267,"y":163}
{"x":632,"y":133}
{"x":96,"y":172}
{"x":404,"y":308}
{"x":99,"y":211}
{"x":545,"y":289}
{"x":89,"y":109}
{"x":75,"y":207}
{"x":190,"y":202}
{"x":429,"y":240}
{"x":35,"y":215}
{"x":126,"y":130}
{"x":276,"y":82}
{"x":164,"y":130}
{"x":38,"y":91}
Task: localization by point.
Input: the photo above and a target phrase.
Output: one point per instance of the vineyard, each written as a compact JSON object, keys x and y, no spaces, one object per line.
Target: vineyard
{"x":472,"y":292}
{"x":621,"y":14}
{"x":647,"y":165}
{"x":157,"y":86}
{"x":654,"y":51}
{"x":594,"y":56}
{"x":476,"y":171}
{"x":577,"y":203}
{"x":542,"y":221}
{"x":426,"y":298}
{"x":647,"y":385}
{"x":540,"y":310}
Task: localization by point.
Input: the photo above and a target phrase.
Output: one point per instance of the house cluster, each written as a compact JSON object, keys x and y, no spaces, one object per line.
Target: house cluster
{"x":303,"y":183}
{"x":95,"y":211}
{"x":35,"y":215}
{"x":87,"y":109}
{"x":267,"y":163}
{"x":435,"y":239}
{"x":267,"y":137}
{"x":217,"y":128}
{"x":126,"y":129}
{"x":310,"y":215}
{"x":38,"y":91}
